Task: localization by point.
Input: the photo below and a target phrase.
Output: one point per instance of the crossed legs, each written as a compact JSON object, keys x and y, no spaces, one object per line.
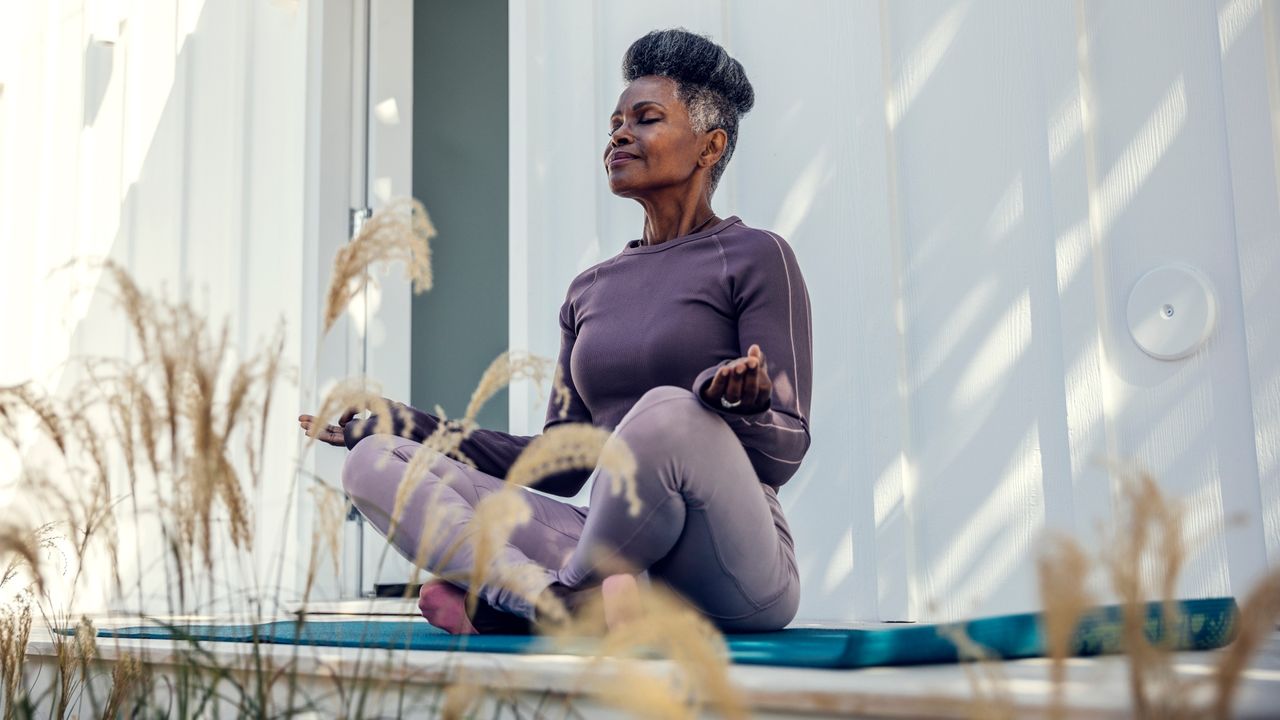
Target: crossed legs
{"x":706,"y":527}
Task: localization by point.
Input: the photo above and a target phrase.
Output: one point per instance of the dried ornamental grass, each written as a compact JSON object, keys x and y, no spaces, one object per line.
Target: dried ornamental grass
{"x":1061,"y":571}
{"x":326,"y":531}
{"x":1144,"y":559}
{"x":26,"y":396}
{"x":496,"y":517}
{"x":667,"y":627}
{"x":20,"y":547}
{"x":356,"y":394}
{"x":15,"y":631}
{"x":579,"y":446}
{"x":1258,"y":617}
{"x":562,"y":448}
{"x":505,"y":369}
{"x":399,"y":231}
{"x":1150,"y":531}
{"x":127,"y":675}
{"x":460,"y":698}
{"x":992,"y":698}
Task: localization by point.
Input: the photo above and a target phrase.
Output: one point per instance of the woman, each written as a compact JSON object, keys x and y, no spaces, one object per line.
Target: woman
{"x":665,"y":345}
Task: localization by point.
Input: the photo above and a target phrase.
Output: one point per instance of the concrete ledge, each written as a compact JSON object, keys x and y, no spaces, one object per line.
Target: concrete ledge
{"x":408,"y":682}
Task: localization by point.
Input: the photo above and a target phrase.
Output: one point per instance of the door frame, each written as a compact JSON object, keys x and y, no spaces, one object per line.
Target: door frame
{"x":358,"y":155}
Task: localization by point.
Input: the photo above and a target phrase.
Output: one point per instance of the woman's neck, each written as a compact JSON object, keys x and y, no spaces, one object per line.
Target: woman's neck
{"x":665,"y":221}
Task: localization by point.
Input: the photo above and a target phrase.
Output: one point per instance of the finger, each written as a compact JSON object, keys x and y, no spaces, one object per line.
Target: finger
{"x":716,"y":389}
{"x":733,"y":391}
{"x":763,"y":392}
{"x":764,"y":387}
{"x":751,"y":383}
{"x":334,"y":438}
{"x":346,"y":416}
{"x":306,"y":418}
{"x":755,"y":351}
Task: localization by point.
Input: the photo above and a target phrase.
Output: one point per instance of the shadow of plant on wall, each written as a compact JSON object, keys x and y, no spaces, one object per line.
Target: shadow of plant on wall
{"x":175,"y":441}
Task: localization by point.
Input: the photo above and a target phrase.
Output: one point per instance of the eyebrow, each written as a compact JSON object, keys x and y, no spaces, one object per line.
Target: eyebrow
{"x":639,"y":105}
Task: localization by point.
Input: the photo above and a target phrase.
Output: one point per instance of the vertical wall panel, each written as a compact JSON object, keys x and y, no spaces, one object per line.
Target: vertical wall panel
{"x":1162,"y":194}
{"x":148,"y":138}
{"x":797,"y":181}
{"x":982,"y":384}
{"x":1248,"y":31}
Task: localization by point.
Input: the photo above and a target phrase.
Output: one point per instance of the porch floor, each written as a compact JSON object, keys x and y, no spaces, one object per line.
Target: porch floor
{"x":538,"y":685}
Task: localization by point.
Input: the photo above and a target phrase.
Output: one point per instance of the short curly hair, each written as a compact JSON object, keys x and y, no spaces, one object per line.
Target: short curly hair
{"x":709,"y":82}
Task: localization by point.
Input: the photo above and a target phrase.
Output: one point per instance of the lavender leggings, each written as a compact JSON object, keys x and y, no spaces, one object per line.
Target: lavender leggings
{"x":707,"y":526}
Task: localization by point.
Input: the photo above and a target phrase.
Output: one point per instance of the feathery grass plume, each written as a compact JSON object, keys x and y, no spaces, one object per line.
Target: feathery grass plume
{"x":1061,"y":570}
{"x":22,"y":546}
{"x":565,"y":447}
{"x":425,"y":460}
{"x":65,"y":665}
{"x":444,"y":442}
{"x":27,"y":396}
{"x":15,"y":631}
{"x":579,"y":446}
{"x":1149,"y":531}
{"x":86,"y":639}
{"x":209,"y":474}
{"x":137,"y":306}
{"x":560,"y":392}
{"x":402,"y":231}
{"x":359,"y":394}
{"x":666,"y":626}
{"x":460,"y":698}
{"x":438,"y":517}
{"x":97,"y":506}
{"x":126,"y":676}
{"x":991,"y":697}
{"x":1258,"y":617}
{"x":635,"y":689}
{"x":326,"y":530}
{"x":272,"y":372}
{"x":496,"y":517}
{"x":448,"y":436}
{"x":505,"y":369}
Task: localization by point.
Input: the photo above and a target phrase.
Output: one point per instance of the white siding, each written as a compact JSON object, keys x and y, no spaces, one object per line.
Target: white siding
{"x":972,"y":189}
{"x":170,"y":137}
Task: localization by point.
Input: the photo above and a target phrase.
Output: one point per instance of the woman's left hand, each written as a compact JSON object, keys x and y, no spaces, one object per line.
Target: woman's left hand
{"x":745,"y":381}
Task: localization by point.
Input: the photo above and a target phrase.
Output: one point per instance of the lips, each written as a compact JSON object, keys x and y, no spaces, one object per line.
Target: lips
{"x":620,"y":157}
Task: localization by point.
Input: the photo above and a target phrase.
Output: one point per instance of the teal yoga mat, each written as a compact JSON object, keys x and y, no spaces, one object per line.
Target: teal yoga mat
{"x":1200,"y":625}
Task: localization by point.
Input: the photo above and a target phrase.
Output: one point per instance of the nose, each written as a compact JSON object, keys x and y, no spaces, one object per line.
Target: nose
{"x":621,"y":137}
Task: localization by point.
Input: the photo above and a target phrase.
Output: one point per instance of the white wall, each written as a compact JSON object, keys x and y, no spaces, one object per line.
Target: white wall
{"x":972,"y":189}
{"x":170,"y":136}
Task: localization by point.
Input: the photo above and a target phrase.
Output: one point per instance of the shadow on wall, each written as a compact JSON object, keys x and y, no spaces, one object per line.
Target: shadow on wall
{"x":176,"y":185}
{"x":1015,"y":221}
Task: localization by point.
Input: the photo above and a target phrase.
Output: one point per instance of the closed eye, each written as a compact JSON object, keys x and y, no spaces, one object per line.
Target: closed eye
{"x":646,"y":121}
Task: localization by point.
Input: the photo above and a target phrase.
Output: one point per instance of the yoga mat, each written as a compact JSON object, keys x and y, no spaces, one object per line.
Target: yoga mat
{"x":1200,"y":625}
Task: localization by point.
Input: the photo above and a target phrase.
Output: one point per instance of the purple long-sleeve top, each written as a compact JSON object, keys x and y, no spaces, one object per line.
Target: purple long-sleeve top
{"x":673,"y":314}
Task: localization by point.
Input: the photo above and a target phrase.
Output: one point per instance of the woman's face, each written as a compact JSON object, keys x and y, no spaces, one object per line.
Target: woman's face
{"x":652,"y":144}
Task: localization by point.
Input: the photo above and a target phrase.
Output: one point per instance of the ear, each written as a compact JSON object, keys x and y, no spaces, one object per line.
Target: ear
{"x":713,"y":148}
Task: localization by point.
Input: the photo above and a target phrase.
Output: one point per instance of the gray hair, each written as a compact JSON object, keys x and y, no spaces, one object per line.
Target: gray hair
{"x":711,"y":84}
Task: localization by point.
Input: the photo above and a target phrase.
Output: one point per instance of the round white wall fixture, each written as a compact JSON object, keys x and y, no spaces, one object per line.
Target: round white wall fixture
{"x":1171,"y":312}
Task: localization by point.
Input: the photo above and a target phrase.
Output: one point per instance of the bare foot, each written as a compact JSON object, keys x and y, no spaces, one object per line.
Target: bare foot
{"x":444,"y":605}
{"x":621,"y":597}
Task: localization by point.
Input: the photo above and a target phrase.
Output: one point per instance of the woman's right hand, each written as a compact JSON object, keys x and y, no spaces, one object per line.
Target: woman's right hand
{"x":331,"y":434}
